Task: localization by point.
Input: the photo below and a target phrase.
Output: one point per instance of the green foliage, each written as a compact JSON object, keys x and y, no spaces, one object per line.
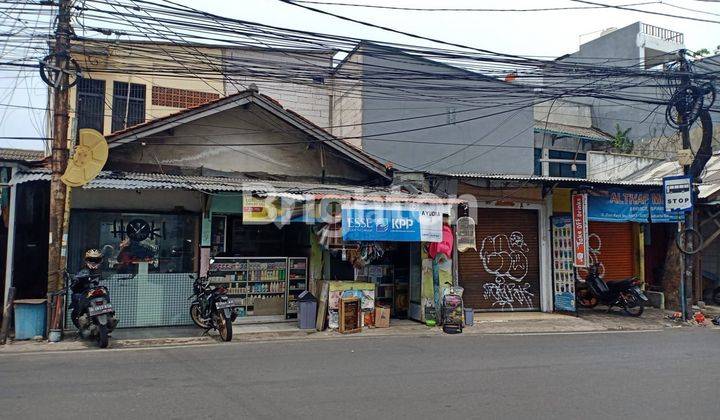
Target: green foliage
{"x":622,"y":142}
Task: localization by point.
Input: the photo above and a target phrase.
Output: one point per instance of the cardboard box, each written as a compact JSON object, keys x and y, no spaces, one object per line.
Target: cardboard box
{"x":382,"y":317}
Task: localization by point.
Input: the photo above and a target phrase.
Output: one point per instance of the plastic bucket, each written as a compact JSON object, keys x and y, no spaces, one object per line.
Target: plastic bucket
{"x":55,"y":336}
{"x":469,"y":316}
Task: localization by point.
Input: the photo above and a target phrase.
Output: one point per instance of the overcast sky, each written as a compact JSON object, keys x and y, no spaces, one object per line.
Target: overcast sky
{"x":547,"y":34}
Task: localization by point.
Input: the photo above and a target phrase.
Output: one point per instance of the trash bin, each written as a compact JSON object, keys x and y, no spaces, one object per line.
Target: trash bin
{"x":30,"y":317}
{"x":307,"y":311}
{"x":469,"y":316}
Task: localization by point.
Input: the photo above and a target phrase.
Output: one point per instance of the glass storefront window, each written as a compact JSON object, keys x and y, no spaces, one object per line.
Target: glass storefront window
{"x":166,"y":242}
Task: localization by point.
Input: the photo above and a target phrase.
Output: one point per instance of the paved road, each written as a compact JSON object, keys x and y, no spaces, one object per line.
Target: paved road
{"x":654,"y":375}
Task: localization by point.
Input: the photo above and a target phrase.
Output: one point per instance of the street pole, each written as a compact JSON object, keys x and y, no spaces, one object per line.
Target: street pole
{"x":60,"y":152}
{"x":687,"y":260}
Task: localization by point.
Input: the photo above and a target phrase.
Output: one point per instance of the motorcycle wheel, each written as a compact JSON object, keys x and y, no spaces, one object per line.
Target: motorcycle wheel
{"x":632,"y":307}
{"x":102,"y":338}
{"x":195,"y":314}
{"x":586,"y":300}
{"x":224,"y":327}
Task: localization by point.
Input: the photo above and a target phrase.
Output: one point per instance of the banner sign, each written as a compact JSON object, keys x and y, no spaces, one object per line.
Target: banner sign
{"x":396,"y":223}
{"x":678,"y":193}
{"x":580,"y":229}
{"x":619,"y":205}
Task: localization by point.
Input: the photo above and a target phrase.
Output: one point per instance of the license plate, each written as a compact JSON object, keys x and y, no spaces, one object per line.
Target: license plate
{"x":226,"y":304}
{"x":100,"y":309}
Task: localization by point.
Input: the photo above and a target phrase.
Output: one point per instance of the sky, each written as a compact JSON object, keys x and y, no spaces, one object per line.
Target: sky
{"x":544,"y":34}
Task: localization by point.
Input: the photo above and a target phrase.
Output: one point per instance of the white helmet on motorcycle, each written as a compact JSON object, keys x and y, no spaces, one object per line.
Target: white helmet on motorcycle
{"x":93,"y":258}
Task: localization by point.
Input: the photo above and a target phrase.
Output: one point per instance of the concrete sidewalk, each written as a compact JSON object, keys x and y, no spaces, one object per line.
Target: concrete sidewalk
{"x":485,"y":323}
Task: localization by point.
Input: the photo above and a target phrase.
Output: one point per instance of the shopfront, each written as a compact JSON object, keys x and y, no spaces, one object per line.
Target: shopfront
{"x":150,"y":253}
{"x":505,"y":271}
{"x":615,"y":220}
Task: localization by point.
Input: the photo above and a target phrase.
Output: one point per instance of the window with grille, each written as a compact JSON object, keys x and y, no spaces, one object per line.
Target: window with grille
{"x":128,"y":105}
{"x":90,"y":108}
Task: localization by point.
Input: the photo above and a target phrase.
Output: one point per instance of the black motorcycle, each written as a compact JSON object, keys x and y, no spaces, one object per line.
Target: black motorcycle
{"x":93,"y":314}
{"x":625,"y":294}
{"x":211,"y":308}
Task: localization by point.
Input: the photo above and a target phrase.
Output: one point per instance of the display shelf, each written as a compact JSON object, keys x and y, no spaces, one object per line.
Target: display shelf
{"x":297,"y":283}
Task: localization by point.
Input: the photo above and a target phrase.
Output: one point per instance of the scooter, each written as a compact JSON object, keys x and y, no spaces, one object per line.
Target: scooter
{"x":212,"y":308}
{"x":95,"y":316}
{"x":625,"y":293}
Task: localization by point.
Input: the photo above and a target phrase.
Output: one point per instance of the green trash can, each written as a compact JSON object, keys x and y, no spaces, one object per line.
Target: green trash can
{"x":30,"y":318}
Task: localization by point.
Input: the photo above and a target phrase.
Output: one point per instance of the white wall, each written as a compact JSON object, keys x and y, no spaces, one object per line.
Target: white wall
{"x":615,"y":167}
{"x":308,"y":93}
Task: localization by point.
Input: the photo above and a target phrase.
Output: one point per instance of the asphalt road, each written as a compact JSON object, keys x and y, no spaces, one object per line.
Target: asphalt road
{"x":653,"y":375}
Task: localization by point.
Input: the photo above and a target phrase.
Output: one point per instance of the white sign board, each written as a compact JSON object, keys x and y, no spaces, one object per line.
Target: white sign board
{"x":677,"y":193}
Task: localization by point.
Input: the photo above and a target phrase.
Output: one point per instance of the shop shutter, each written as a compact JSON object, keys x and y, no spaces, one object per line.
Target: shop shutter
{"x":504,"y":273}
{"x":611,"y":244}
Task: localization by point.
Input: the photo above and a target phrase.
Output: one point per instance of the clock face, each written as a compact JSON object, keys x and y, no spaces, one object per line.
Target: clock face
{"x":138,"y":230}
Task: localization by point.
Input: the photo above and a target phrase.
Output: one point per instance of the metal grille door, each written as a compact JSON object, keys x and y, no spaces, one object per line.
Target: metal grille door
{"x":504,"y":273}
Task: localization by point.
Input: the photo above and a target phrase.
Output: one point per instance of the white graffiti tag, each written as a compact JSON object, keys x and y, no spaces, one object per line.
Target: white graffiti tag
{"x":505,"y":257}
{"x":594,"y":245}
{"x":505,"y":294}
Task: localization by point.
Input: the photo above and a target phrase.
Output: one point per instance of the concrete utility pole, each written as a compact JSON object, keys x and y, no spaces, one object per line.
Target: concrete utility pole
{"x":58,"y":190}
{"x":688,"y":111}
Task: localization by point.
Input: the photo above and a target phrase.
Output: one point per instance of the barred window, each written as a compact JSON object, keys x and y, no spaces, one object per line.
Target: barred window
{"x":90,"y":107}
{"x":128,"y":105}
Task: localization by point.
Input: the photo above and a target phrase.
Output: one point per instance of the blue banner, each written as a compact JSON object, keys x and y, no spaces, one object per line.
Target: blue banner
{"x":618,"y":205}
{"x":391,"y":224}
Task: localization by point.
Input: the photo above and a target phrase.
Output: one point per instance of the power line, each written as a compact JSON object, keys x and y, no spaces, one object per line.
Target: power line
{"x":443,"y":9}
{"x":646,"y":11}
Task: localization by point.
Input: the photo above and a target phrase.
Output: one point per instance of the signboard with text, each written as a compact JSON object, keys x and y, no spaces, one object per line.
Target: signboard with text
{"x":678,"y":193}
{"x":417,"y":223}
{"x":621,"y":205}
{"x":580,"y":230}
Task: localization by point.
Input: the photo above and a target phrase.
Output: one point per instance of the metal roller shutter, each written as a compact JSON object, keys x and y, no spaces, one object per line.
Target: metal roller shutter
{"x":504,"y":273}
{"x":611,"y":244}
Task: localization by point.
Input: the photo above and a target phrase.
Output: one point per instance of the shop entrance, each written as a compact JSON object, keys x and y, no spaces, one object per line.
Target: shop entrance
{"x":387,"y":265}
{"x":504,"y":273}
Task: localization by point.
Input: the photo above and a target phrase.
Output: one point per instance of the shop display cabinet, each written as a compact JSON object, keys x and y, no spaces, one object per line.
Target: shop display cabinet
{"x":297,"y":283}
{"x":259,"y":284}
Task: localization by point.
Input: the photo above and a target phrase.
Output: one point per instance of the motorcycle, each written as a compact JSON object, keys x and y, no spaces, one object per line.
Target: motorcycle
{"x":95,"y":316}
{"x":622,"y":293}
{"x":211,"y":308}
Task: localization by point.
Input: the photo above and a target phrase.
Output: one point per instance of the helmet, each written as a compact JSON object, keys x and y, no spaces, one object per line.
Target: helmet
{"x":93,"y":258}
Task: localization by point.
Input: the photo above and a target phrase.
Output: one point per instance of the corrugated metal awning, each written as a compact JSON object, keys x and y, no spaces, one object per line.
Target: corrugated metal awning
{"x":115,"y":180}
{"x":555,"y":179}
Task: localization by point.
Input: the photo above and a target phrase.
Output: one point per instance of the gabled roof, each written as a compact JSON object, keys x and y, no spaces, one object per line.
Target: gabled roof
{"x":265,"y":102}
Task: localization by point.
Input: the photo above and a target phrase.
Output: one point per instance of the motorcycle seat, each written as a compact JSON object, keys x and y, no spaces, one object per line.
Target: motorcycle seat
{"x":623,"y":284}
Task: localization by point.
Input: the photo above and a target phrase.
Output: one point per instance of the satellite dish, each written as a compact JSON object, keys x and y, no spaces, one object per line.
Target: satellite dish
{"x":88,"y":160}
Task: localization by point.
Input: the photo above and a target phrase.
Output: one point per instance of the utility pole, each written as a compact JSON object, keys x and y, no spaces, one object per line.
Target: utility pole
{"x":687,"y":260}
{"x":59,"y":157}
{"x":688,"y":101}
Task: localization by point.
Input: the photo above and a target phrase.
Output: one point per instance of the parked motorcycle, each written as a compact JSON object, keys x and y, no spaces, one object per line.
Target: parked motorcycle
{"x":625,"y":293}
{"x":211,"y":308}
{"x":94,"y":315}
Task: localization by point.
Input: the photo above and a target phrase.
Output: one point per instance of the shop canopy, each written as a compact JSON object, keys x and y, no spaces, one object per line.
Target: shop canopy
{"x":299,"y":191}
